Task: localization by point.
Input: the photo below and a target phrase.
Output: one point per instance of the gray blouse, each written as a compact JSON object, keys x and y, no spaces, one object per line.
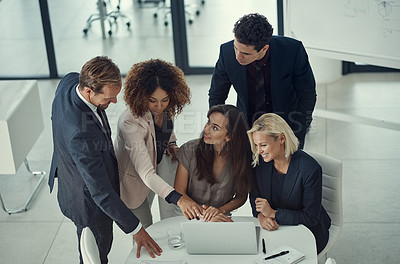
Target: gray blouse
{"x":201,"y":191}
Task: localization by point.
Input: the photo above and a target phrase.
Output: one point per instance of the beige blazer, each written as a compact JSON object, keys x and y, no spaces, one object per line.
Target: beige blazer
{"x":135,"y":149}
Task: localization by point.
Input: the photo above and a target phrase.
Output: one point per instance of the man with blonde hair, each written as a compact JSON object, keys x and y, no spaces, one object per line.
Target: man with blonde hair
{"x":84,"y":161}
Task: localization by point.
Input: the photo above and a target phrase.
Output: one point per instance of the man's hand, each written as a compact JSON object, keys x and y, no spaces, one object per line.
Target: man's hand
{"x":189,"y":208}
{"x":142,"y":238}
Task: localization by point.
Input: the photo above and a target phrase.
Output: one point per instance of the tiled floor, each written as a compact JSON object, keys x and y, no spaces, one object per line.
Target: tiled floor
{"x":370,"y":154}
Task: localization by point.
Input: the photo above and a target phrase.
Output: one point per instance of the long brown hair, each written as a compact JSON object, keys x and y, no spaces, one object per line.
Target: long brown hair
{"x":236,"y":150}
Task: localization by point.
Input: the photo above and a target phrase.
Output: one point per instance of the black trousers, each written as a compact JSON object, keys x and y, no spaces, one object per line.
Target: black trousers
{"x":104,"y":237}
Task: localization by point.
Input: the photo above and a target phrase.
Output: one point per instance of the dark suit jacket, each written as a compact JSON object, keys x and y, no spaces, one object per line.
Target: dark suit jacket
{"x":300,"y":198}
{"x":292,"y":82}
{"x":85,"y":163}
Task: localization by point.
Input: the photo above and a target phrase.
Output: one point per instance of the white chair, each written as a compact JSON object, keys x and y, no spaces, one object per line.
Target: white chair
{"x":89,"y":250}
{"x":330,"y":261}
{"x":331,"y":197}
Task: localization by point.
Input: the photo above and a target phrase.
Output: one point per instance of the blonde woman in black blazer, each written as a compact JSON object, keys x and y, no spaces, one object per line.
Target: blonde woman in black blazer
{"x":288,"y":182}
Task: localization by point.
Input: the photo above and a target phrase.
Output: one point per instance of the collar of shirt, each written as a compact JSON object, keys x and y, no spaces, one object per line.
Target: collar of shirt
{"x":90,"y":105}
{"x":263,"y":61}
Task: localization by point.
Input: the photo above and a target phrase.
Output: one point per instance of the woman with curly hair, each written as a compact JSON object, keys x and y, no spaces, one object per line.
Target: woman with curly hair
{"x":155,"y":92}
{"x":215,"y":170}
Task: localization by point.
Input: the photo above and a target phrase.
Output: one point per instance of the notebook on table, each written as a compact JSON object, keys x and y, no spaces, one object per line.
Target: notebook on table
{"x":228,"y":238}
{"x":293,"y":256}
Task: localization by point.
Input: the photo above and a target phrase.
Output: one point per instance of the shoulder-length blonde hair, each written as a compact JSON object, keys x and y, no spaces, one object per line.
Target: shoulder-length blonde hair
{"x":273,"y":125}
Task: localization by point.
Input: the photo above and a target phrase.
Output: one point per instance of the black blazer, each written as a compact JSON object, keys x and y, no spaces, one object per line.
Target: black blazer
{"x":301,"y":195}
{"x":292,"y":82}
{"x":85,"y":163}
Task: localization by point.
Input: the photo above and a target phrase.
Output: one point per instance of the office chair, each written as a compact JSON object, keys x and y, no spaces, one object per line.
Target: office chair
{"x":167,"y":11}
{"x":110,"y":17}
{"x":150,"y":1}
{"x":331,"y":197}
{"x":89,"y":250}
{"x":330,"y":261}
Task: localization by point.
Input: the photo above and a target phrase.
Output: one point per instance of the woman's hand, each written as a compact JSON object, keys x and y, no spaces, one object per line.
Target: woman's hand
{"x":143,"y":239}
{"x":221,"y":218}
{"x":262,"y":206}
{"x":267,"y":223}
{"x":210,"y":212}
{"x":172,"y":151}
{"x":189,"y":208}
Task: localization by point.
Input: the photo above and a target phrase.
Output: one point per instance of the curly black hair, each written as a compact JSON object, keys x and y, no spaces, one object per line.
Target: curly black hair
{"x":253,"y":30}
{"x":145,"y":77}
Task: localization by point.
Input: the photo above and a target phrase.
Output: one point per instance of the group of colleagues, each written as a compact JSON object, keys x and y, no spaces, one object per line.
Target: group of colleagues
{"x":102,"y":180}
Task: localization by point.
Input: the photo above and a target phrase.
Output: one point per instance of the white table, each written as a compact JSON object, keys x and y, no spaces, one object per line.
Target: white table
{"x":298,"y":237}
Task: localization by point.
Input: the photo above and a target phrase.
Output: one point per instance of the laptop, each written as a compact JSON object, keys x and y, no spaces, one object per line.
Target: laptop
{"x":227,"y":238}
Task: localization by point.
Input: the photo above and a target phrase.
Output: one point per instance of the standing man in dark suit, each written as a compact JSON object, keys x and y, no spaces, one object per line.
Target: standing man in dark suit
{"x":269,"y":74}
{"x":84,"y":161}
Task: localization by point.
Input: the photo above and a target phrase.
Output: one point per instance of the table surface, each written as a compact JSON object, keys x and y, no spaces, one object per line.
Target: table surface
{"x":298,"y":237}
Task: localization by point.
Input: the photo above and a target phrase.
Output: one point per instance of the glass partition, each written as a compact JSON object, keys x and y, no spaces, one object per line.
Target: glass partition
{"x":138,"y":36}
{"x":213,"y":25}
{"x":23,"y":50}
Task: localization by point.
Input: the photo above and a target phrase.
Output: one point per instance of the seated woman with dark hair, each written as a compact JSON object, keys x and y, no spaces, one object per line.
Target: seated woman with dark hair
{"x":287,"y":187}
{"x":215,"y":170}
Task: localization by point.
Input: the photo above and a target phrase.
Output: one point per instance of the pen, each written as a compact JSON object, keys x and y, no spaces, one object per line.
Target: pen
{"x":277,"y":255}
{"x":263,"y":244}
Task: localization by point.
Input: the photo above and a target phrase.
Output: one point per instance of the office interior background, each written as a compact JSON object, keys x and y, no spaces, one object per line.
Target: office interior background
{"x":349,"y":121}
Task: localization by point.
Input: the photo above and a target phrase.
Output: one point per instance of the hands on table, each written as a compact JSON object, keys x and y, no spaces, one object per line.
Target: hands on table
{"x":143,"y":239}
{"x":213,"y":214}
{"x":191,"y":210}
{"x":267,"y":214}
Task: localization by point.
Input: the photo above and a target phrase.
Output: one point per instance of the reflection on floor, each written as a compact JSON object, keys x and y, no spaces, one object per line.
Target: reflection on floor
{"x":370,"y":181}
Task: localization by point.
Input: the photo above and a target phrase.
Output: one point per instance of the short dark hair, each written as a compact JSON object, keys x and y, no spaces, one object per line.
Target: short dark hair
{"x":98,"y":72}
{"x":253,"y":30}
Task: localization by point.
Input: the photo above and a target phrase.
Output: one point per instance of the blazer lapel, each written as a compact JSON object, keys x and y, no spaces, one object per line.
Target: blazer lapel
{"x":242,"y":87}
{"x":90,"y":117}
{"x":149,"y":119}
{"x":266,"y":172}
{"x":86,"y":112}
{"x":290,"y":180}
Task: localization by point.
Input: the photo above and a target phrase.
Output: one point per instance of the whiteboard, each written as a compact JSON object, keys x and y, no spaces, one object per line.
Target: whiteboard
{"x":364,"y":31}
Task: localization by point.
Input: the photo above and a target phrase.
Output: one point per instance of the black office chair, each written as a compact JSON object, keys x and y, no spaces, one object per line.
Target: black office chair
{"x":110,"y":17}
{"x":167,"y":11}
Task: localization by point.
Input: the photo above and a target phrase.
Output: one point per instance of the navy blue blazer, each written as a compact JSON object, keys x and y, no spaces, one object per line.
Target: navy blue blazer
{"x":300,"y":198}
{"x":292,"y":82}
{"x":85,"y":163}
